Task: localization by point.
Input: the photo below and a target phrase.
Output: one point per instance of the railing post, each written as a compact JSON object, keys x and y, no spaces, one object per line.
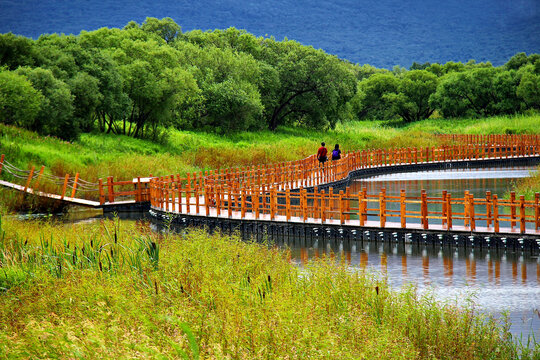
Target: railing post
{"x":288,"y":204}
{"x":522,"y":218}
{"x":323,"y":205}
{"x":75,"y":185}
{"x":255,"y":200}
{"x":382,"y":205}
{"x":206,"y":200}
{"x":197,"y":200}
{"x":101,"y":192}
{"x":424,"y":210}
{"x":1,"y":162}
{"x":66,"y":179}
{"x":36,"y":185}
{"x":110,"y":189}
{"x":30,"y":179}
{"x":361,"y":207}
{"x":488,"y":208}
{"x":443,"y":214}
{"x":243,"y":204}
{"x":495,"y":214}
{"x":466,"y":208}
{"x":341,"y":208}
{"x":402,"y":209}
{"x":304,"y":204}
{"x":139,"y":190}
{"x":536,"y":211}
{"x":218,"y":200}
{"x":173,"y":197}
{"x":471,"y":212}
{"x":448,"y":211}
{"x":512,"y":209}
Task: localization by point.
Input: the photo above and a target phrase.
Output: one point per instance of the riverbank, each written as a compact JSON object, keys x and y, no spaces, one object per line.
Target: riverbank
{"x":117,"y":289}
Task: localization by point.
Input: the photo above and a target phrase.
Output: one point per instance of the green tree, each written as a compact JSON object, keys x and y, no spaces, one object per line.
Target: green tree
{"x":231,"y":106}
{"x":529,"y":85}
{"x":370,"y":102}
{"x":55,"y":116}
{"x":411,"y":99}
{"x":165,"y":28}
{"x":481,"y":91}
{"x":19,"y":101}
{"x":16,"y":51}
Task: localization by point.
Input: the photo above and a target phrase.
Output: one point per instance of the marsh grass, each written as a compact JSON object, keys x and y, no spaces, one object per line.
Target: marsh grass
{"x":116,"y":290}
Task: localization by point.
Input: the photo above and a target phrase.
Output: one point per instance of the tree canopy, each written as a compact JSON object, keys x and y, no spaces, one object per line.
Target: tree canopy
{"x":146,"y":77}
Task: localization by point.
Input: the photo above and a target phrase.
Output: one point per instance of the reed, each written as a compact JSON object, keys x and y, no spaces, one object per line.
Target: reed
{"x":114,"y":289}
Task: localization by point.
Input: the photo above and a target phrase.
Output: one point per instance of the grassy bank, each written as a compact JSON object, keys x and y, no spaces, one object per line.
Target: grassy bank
{"x":117,"y":290}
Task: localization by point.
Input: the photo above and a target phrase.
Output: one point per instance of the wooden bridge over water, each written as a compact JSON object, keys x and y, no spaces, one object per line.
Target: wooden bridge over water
{"x":302,"y":194}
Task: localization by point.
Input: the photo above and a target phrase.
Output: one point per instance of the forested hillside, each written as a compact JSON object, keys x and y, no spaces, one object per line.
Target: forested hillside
{"x":141,"y":79}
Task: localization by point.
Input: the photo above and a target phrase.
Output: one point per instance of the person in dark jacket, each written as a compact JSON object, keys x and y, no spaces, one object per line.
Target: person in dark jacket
{"x":336,"y":153}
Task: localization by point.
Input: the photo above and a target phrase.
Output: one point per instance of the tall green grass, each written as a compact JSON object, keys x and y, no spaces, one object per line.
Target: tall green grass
{"x":116,"y":290}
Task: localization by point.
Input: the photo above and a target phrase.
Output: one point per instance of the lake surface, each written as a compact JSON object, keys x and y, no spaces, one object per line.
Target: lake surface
{"x":382,"y":33}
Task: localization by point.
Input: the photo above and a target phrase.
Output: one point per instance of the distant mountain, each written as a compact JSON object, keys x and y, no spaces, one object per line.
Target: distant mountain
{"x":382,"y":33}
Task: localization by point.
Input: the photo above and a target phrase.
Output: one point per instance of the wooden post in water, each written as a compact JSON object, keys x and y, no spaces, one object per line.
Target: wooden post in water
{"x":75,"y":185}
{"x":30,"y":176}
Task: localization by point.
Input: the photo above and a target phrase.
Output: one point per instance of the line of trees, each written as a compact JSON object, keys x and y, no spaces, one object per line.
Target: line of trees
{"x":146,"y":77}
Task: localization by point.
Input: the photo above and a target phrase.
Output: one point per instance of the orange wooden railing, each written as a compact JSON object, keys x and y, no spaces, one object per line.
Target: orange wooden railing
{"x":265,"y":191}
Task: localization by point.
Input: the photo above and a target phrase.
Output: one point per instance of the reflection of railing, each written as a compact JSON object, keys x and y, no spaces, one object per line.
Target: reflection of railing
{"x":264,"y":192}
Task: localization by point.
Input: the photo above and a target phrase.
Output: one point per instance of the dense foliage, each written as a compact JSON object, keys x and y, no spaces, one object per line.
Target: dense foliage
{"x":141,"y":79}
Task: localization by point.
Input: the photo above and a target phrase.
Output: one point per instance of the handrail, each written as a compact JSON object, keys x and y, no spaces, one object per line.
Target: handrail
{"x":264,"y":192}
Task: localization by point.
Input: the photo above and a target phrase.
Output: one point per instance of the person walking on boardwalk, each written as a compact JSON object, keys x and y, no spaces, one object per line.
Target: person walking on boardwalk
{"x":321,"y":155}
{"x":336,"y":153}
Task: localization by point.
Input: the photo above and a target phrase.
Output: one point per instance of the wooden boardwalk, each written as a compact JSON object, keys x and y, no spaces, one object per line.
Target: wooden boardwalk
{"x":302,"y":192}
